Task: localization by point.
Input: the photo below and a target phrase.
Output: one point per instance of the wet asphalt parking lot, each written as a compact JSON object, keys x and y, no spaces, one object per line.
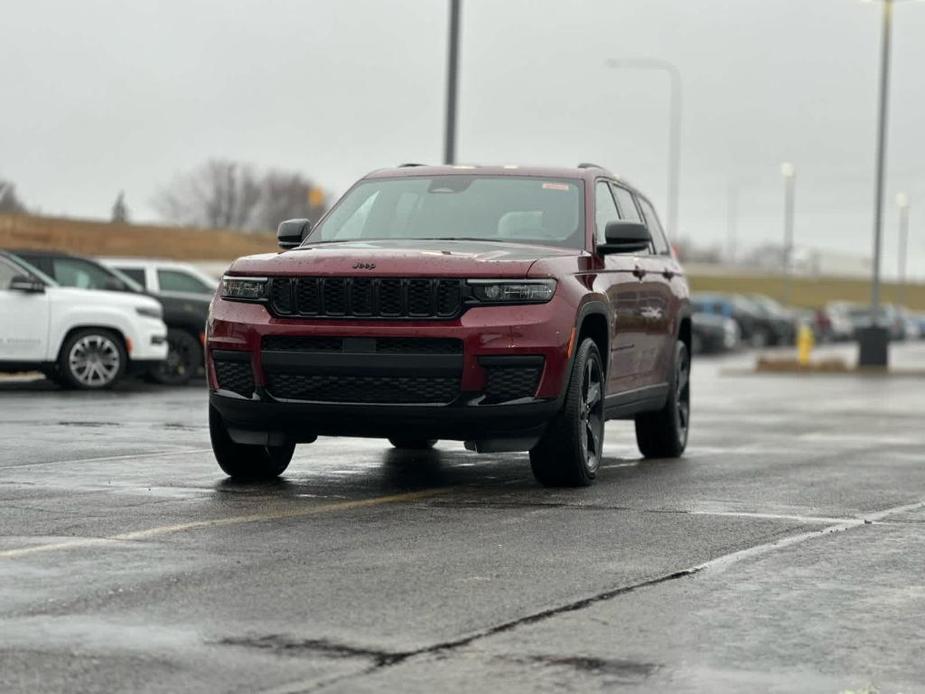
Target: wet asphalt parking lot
{"x":785,"y":552}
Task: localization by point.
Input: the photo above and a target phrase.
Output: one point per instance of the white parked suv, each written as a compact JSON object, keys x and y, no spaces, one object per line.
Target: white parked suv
{"x":165,"y":276}
{"x":78,"y":337}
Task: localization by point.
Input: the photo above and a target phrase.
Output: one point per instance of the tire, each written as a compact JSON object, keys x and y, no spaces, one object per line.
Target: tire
{"x":244,"y":462}
{"x":569,"y":453}
{"x":184,"y":357}
{"x":413,"y":444}
{"x":91,"y":359}
{"x":663,"y":434}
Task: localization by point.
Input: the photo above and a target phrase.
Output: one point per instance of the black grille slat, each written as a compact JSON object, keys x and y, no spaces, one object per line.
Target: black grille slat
{"x":281,"y":295}
{"x":511,"y":382}
{"x":361,"y":297}
{"x":235,"y":376}
{"x":390,"y":297}
{"x":308,"y":296}
{"x":367,"y":297}
{"x":420,"y":298}
{"x":365,"y":389}
{"x":334,"y":296}
{"x":449,"y":297}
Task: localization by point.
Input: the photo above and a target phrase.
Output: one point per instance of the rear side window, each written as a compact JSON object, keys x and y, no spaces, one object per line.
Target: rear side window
{"x":137,"y":274}
{"x":604,"y":210}
{"x":658,"y":234}
{"x":177,"y":281}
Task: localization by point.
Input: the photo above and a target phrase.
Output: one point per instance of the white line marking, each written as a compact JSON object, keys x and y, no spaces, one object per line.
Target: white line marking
{"x":103,"y":459}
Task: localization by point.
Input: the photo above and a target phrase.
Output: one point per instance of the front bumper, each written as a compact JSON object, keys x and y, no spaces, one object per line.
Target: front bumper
{"x":262,"y":420}
{"x":148,"y":341}
{"x":490,"y":338}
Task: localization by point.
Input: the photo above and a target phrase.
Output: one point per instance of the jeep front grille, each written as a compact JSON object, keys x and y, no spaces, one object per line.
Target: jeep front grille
{"x":366,"y":297}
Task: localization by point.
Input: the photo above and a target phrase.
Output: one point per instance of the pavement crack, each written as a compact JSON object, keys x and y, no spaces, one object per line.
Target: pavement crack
{"x":291,"y":646}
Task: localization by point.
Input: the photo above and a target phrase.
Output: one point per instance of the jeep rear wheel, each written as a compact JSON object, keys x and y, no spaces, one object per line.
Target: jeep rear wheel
{"x":246,"y":462}
{"x":570,"y":452}
{"x":663,"y":434}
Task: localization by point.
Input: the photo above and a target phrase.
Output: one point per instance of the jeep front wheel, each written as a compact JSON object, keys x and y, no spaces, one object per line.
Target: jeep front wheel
{"x":569,"y":454}
{"x":246,"y":462}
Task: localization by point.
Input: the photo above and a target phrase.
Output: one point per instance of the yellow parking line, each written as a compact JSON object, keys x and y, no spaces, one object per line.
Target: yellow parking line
{"x":220,"y":522}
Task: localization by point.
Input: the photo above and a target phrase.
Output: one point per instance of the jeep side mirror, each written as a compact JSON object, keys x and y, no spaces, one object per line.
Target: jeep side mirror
{"x":625,"y":237}
{"x":29,"y":285}
{"x":292,"y":232}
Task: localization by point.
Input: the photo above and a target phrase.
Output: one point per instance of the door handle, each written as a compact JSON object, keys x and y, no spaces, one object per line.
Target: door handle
{"x":639,"y":272}
{"x":667,"y":274}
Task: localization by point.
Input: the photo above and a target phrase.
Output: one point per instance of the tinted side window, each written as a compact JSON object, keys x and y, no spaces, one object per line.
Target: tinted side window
{"x":176,"y":281}
{"x":74,"y":272}
{"x":604,"y":210}
{"x":137,"y":274}
{"x":658,"y":234}
{"x":627,"y":207}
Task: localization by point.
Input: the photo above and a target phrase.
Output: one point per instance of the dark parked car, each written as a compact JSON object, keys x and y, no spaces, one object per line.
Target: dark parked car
{"x":784,"y":321}
{"x":755,"y":327}
{"x":512,"y":308}
{"x":714,"y":333}
{"x":185,"y":316}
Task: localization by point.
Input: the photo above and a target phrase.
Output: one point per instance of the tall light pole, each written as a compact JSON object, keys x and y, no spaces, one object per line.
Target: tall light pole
{"x":452,"y":84}
{"x":902,"y":202}
{"x":732,"y":222}
{"x":674,"y":127}
{"x":875,"y":341}
{"x":789,"y":172}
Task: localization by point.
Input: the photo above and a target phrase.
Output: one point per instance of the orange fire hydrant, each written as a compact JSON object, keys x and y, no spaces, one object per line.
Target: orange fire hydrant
{"x":805,"y":343}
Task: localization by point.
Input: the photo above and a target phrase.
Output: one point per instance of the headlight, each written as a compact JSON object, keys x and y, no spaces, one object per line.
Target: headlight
{"x":150,"y":311}
{"x":244,"y":288}
{"x":513,"y":291}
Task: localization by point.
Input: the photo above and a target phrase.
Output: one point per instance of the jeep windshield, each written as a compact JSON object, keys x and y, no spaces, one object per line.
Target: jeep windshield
{"x":516,"y":209}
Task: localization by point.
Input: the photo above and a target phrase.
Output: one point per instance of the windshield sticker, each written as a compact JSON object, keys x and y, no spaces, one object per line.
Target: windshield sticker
{"x":556,"y":186}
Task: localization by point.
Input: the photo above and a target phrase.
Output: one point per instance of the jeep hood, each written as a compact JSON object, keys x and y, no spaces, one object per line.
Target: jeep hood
{"x":405,"y":258}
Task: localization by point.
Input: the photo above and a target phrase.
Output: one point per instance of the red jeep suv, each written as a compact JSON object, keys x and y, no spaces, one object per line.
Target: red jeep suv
{"x":513,"y":308}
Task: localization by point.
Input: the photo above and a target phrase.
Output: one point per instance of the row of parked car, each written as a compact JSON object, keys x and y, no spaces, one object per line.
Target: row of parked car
{"x":724,"y":322}
{"x":85,"y":323}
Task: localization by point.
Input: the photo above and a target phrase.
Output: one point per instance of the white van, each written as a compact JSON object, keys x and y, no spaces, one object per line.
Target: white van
{"x":78,"y":337}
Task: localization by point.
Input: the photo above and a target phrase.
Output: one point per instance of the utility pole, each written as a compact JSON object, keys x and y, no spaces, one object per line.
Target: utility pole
{"x":875,"y":341}
{"x":732,"y":223}
{"x":902,"y":201}
{"x":789,"y":173}
{"x":674,"y":128}
{"x":452,"y":84}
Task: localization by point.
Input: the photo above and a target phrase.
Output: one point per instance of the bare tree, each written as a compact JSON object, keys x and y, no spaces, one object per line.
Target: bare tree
{"x":218,"y":194}
{"x":9,"y":201}
{"x":231,"y":195}
{"x":285,"y":195}
{"x":120,"y":209}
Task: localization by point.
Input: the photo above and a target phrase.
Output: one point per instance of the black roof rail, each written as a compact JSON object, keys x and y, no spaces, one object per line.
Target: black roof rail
{"x":410,"y":163}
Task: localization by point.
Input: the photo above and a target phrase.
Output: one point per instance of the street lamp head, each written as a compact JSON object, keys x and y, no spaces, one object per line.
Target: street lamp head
{"x":788,"y":170}
{"x":902,"y":200}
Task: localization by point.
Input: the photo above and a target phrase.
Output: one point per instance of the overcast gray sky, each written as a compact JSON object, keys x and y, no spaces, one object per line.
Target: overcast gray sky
{"x":105,"y":95}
